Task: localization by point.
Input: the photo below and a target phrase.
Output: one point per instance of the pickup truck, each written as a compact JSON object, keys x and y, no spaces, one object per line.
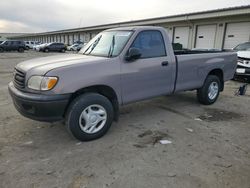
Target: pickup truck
{"x":117,"y":67}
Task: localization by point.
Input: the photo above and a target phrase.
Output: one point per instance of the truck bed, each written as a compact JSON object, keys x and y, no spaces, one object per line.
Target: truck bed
{"x":193,"y":67}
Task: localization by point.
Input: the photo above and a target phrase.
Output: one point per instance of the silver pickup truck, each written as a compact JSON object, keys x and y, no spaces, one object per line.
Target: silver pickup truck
{"x":117,"y":67}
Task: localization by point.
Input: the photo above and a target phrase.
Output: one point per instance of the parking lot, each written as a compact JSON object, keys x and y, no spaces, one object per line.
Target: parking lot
{"x":210,"y":145}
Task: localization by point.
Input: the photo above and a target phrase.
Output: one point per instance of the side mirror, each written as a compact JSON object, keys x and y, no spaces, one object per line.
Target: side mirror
{"x":133,"y":54}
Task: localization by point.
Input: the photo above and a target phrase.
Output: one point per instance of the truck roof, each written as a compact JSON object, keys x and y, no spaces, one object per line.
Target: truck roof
{"x":133,"y":28}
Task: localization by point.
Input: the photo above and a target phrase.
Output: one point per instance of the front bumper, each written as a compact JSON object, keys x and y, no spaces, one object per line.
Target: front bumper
{"x":39,"y":107}
{"x":242,"y":71}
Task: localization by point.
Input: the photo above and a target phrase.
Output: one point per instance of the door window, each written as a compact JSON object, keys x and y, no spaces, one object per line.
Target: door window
{"x":150,"y":43}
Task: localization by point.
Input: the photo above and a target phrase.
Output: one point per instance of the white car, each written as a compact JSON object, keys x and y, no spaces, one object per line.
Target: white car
{"x":72,"y":47}
{"x":39,"y":46}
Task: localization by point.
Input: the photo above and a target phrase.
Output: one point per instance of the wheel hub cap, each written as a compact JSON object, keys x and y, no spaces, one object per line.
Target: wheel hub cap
{"x":93,"y":119}
{"x":213,"y":90}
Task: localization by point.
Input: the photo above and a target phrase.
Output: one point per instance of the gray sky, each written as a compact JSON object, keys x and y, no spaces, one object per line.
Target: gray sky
{"x":46,"y":15}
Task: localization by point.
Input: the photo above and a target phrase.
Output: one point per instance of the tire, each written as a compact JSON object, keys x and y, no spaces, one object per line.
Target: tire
{"x":46,"y":50}
{"x":63,"y":50}
{"x":1,"y":50}
{"x":76,"y":116}
{"x":210,"y":90}
{"x":21,"y":50}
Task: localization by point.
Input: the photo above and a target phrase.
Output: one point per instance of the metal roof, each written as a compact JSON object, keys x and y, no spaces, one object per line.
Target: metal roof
{"x":238,"y":10}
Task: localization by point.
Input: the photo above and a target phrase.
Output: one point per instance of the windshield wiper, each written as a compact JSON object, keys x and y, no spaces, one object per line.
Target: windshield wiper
{"x":111,"y":49}
{"x":93,"y":45}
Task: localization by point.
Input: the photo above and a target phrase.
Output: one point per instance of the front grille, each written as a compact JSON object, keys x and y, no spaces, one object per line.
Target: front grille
{"x":19,"y":79}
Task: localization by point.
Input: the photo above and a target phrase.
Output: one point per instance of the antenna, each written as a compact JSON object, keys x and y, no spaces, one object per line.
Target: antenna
{"x":80,"y":23}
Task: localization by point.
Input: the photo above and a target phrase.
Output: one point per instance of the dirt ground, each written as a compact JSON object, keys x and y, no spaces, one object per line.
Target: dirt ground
{"x":210,"y":144}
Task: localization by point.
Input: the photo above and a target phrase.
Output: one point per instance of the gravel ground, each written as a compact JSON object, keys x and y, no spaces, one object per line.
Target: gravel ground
{"x":210,"y":145}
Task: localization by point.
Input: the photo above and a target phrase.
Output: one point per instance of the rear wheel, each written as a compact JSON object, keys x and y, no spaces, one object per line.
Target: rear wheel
{"x":210,"y":91}
{"x":89,"y":116}
{"x":46,"y":50}
{"x":63,"y":50}
{"x":21,"y":50}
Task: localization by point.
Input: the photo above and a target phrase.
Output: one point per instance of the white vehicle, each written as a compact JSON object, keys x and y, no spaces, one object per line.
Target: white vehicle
{"x":243,"y":65}
{"x":39,"y":46}
{"x":31,"y":44}
{"x":72,"y":47}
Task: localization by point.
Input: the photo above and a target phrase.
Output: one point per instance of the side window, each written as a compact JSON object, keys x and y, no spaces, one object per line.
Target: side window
{"x":150,"y":43}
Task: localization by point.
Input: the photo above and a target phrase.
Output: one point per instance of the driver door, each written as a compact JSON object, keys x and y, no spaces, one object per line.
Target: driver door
{"x":150,"y":75}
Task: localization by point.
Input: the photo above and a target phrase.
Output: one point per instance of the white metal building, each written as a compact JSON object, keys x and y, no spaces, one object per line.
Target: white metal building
{"x":221,"y":29}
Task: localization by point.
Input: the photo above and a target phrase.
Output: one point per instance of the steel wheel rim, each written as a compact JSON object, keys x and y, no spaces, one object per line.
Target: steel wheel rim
{"x":213,"y":90}
{"x":93,"y":119}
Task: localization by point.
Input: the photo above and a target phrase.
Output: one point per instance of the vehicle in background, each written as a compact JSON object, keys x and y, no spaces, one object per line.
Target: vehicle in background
{"x":242,"y":47}
{"x":117,"y":67}
{"x":78,"y":42}
{"x":72,"y":47}
{"x":75,"y":47}
{"x":31,"y":44}
{"x":53,"y":47}
{"x":12,"y":45}
{"x":243,"y":65}
{"x":80,"y":46}
{"x":38,"y":46}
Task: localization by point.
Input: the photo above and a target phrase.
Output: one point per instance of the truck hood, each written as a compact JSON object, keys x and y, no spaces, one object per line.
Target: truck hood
{"x":45,"y":64}
{"x":244,"y":54}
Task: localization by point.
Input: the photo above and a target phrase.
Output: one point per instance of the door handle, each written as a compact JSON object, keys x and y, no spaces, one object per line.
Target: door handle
{"x":164,"y":63}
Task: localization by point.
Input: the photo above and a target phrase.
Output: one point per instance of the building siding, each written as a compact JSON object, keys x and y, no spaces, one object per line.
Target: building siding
{"x":219,"y":18}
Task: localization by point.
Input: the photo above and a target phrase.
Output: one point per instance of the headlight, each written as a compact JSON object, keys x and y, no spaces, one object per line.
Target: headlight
{"x":43,"y":83}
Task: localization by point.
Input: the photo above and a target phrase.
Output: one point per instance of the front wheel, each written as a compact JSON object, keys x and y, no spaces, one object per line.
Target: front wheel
{"x":210,"y":90}
{"x":89,"y":116}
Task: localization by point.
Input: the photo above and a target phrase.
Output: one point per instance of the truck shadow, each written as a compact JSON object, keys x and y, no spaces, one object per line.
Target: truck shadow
{"x":172,"y":103}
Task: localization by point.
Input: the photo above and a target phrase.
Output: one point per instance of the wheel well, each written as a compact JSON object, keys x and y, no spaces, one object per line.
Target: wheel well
{"x":219,"y":74}
{"x":103,"y":90}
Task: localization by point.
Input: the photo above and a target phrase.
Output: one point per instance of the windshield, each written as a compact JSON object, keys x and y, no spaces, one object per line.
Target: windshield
{"x":107,"y":44}
{"x":243,"y":47}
